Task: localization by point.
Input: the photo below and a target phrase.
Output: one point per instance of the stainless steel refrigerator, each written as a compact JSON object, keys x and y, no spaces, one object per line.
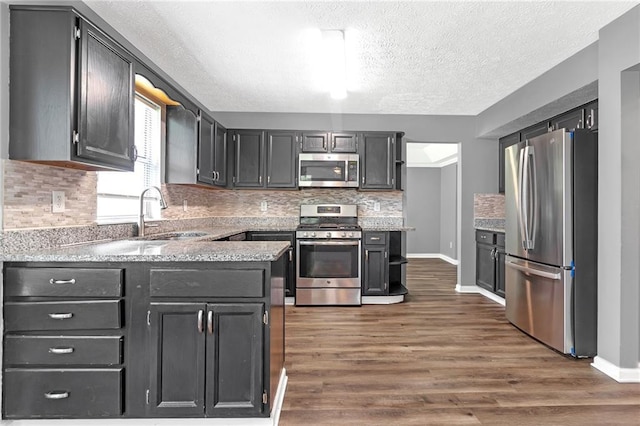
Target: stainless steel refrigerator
{"x":551,"y":239}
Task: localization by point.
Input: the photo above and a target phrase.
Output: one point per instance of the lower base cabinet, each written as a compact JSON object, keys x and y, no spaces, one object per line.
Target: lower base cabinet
{"x":490,"y":257}
{"x":206,"y":360}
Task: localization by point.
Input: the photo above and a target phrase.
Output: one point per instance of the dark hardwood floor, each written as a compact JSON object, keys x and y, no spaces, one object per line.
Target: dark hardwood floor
{"x":439,"y":358}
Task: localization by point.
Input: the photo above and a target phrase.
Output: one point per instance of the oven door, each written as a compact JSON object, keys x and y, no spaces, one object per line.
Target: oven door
{"x":328,"y":264}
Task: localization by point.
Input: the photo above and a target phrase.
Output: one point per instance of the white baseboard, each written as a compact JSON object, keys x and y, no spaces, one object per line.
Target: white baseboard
{"x":432,"y":256}
{"x":620,"y":375}
{"x":474,"y":289}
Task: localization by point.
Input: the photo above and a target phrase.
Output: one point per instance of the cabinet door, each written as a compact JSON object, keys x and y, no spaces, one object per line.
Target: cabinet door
{"x":591,"y":116}
{"x":504,"y":143}
{"x":249,"y":156}
{"x":571,"y":120}
{"x":485,"y":266}
{"x":234,"y":359}
{"x":177,"y":380}
{"x":182,"y":140}
{"x":281,"y":159}
{"x":500,"y":283}
{"x":535,"y":130}
{"x":220,"y":156}
{"x":205,"y":150}
{"x":344,"y":142}
{"x":315,"y":142}
{"x":106,"y":90}
{"x":290,"y":286}
{"x":376,"y":271}
{"x":377,"y":160}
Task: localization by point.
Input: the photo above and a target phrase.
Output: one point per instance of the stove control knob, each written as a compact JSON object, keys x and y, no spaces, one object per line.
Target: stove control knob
{"x":305,"y":235}
{"x":313,"y":234}
{"x":328,"y":234}
{"x":350,"y":234}
{"x":344,"y":234}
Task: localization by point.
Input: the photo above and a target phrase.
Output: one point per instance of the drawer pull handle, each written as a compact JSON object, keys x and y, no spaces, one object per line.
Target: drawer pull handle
{"x":375,"y":238}
{"x":60,"y":351}
{"x":71,"y":281}
{"x":61,"y":316}
{"x":56,"y":395}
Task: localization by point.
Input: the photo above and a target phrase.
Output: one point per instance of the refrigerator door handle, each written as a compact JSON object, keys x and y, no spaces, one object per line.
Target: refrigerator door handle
{"x":520,"y":196}
{"x":533,"y":271}
{"x":526,"y":197}
{"x":533,"y":198}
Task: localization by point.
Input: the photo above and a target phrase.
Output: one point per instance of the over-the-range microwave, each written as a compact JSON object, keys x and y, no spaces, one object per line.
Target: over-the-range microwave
{"x":328,"y":170}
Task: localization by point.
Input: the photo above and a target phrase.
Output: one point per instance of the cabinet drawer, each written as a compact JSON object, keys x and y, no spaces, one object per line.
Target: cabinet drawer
{"x":87,"y":315}
{"x":486,"y":237}
{"x":207,"y":283}
{"x":63,"y":350}
{"x":500,"y":239}
{"x":63,"y":282}
{"x":62,"y":393}
{"x":375,"y":238}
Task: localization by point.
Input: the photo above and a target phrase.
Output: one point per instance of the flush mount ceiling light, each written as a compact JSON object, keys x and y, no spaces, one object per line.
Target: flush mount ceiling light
{"x":334,"y":59}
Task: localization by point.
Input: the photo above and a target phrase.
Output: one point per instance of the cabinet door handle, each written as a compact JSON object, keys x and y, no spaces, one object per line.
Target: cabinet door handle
{"x":200,"y":321}
{"x":334,"y":145}
{"x":56,"y":395}
{"x":366,"y":255}
{"x":290,"y":254}
{"x":260,"y":179}
{"x":60,"y":351}
{"x":210,"y":322}
{"x":61,"y":316}
{"x":134,"y":153}
{"x":54,"y":281}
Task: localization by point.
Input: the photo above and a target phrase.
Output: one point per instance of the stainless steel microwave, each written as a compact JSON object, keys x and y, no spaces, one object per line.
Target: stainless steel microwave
{"x":328,"y":170}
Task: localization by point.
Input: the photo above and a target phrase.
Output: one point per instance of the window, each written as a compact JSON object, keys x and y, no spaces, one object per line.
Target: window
{"x":119,"y":192}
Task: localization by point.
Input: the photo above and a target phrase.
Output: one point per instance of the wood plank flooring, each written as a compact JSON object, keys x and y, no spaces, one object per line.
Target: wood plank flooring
{"x":440,"y":358}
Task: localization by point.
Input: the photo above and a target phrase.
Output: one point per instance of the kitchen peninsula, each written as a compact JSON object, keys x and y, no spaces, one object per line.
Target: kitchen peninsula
{"x":141,"y":328}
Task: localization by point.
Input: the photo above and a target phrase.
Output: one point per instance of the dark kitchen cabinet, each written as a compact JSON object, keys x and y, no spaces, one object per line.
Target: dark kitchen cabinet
{"x":206,"y":359}
{"x":490,"y":255}
{"x":282,"y":151}
{"x":376,"y":264}
{"x":591,"y":116}
{"x":64,"y":342}
{"x":249,"y":158}
{"x":290,"y":274}
{"x":212,"y":152}
{"x":377,"y":160}
{"x":61,"y":114}
{"x":339,"y":142}
{"x":571,"y":120}
{"x":504,"y":143}
{"x":535,"y":130}
{"x":182,"y":142}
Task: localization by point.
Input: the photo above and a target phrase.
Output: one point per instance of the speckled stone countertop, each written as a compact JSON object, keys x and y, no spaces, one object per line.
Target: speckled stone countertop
{"x":493,"y":225}
{"x":388,"y":228}
{"x":141,"y":250}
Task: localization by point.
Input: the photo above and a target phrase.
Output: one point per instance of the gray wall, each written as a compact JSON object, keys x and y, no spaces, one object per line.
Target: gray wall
{"x":448,"y":214}
{"x":423,"y":209}
{"x":619,"y":198}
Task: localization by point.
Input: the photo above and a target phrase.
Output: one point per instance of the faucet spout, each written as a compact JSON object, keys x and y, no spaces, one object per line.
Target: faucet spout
{"x":163,"y":205}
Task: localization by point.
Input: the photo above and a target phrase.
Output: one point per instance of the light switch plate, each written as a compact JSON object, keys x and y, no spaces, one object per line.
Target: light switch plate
{"x":57,"y":202}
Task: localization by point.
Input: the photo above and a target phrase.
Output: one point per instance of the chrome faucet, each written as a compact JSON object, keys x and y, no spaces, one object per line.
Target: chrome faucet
{"x":163,"y":205}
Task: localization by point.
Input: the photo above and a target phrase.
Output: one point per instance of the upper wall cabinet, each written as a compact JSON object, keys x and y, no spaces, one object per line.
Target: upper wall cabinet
{"x":377,"y":160}
{"x":329,"y":142}
{"x":504,"y":143}
{"x":71,"y":92}
{"x":212,"y":152}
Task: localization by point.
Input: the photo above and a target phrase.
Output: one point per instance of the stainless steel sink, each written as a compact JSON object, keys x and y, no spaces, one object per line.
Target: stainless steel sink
{"x":186,"y":235}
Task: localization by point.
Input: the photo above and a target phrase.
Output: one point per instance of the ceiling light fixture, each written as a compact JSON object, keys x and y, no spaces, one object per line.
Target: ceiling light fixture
{"x":334,"y":58}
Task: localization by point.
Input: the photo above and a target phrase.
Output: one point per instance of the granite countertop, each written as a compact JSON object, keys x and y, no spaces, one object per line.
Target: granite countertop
{"x":492,"y":225}
{"x":144,"y":250}
{"x":387,"y":228}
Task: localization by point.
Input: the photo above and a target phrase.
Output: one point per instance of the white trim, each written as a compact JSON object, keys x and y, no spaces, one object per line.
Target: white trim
{"x":474,"y":289}
{"x":432,"y":256}
{"x":290,"y":301}
{"x":382,"y":300}
{"x":438,"y":165}
{"x":272,"y":420}
{"x":620,"y":375}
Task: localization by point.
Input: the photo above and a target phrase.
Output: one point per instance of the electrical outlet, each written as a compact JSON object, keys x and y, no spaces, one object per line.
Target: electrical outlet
{"x":57,"y":201}
{"x":263,"y":206}
{"x":450,"y":244}
{"x":184,"y":205}
{"x":376,"y":206}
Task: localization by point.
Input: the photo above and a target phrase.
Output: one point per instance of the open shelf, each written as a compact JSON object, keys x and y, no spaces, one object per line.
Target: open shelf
{"x":397,"y":289}
{"x":396,"y":259}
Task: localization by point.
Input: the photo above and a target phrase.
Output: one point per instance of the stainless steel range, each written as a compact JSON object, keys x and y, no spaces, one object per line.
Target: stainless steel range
{"x":329,"y":265}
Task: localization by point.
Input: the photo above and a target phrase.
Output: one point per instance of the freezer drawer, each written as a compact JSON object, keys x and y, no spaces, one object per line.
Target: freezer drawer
{"x":538,"y":301}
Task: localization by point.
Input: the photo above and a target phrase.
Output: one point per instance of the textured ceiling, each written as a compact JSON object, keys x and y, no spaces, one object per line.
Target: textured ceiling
{"x":404,"y":57}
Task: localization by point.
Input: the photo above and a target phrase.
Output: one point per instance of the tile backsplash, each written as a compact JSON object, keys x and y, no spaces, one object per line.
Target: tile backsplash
{"x":27,"y":199}
{"x":488,"y":206}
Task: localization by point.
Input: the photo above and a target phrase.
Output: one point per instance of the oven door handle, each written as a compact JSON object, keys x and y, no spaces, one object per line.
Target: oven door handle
{"x":329,"y":243}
